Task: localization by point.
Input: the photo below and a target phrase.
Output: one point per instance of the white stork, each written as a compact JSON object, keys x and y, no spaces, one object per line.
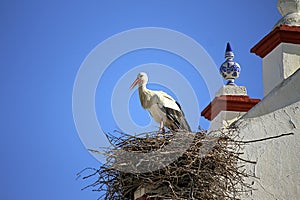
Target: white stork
{"x":161,"y":106}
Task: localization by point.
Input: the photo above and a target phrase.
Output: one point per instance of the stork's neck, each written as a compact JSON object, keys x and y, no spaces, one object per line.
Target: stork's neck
{"x":143,"y":87}
{"x":145,"y":96}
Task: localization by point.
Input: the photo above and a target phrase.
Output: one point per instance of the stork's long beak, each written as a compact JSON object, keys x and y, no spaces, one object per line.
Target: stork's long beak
{"x":137,"y":81}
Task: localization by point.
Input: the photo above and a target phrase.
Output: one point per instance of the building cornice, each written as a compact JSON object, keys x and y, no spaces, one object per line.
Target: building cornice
{"x":239,"y":103}
{"x":280,"y":34}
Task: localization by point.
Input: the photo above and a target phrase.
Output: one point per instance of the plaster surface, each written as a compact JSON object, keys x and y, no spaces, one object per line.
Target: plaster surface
{"x":278,"y":160}
{"x":279,"y":64}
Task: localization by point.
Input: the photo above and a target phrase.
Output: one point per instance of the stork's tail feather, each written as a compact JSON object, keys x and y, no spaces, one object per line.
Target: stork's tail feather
{"x":184,"y":125}
{"x":176,"y":120}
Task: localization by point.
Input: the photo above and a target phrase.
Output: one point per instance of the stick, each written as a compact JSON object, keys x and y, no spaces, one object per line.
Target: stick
{"x":264,"y":139}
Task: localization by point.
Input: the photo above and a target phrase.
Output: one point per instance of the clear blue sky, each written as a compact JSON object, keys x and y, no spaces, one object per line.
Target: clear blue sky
{"x":43,"y":44}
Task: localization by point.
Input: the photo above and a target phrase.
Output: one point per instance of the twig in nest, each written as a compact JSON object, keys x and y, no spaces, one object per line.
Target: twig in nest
{"x":267,"y":138}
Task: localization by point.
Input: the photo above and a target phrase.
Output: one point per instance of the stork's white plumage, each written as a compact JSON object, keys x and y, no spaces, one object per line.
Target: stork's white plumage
{"x":162,"y":107}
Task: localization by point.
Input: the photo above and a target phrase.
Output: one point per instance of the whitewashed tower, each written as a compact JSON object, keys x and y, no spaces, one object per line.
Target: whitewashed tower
{"x":280,"y":49}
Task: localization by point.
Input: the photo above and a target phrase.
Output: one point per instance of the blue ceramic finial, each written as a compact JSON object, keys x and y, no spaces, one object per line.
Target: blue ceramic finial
{"x":230,"y":70}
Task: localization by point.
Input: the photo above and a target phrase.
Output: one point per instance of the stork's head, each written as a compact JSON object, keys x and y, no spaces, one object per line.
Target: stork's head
{"x":141,"y":79}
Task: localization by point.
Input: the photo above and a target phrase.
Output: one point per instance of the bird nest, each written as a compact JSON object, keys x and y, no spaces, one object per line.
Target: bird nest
{"x":173,"y":165}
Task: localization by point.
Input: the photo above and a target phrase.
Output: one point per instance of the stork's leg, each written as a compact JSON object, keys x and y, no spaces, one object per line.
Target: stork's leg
{"x":161,"y":126}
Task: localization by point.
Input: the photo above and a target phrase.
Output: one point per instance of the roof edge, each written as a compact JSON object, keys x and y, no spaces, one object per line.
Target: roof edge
{"x":280,"y":34}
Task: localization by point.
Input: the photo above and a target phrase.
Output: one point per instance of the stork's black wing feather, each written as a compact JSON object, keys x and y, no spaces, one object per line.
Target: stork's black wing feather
{"x":178,"y":105}
{"x":176,"y":119}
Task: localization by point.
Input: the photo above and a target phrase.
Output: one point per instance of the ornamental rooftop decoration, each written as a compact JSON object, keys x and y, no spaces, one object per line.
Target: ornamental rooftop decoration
{"x":230,"y":70}
{"x":290,"y":11}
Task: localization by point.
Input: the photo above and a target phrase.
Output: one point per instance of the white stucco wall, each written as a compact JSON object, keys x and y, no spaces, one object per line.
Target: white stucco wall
{"x":224,"y":119}
{"x":284,"y":94}
{"x":279,"y":64}
{"x":278,"y":160}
